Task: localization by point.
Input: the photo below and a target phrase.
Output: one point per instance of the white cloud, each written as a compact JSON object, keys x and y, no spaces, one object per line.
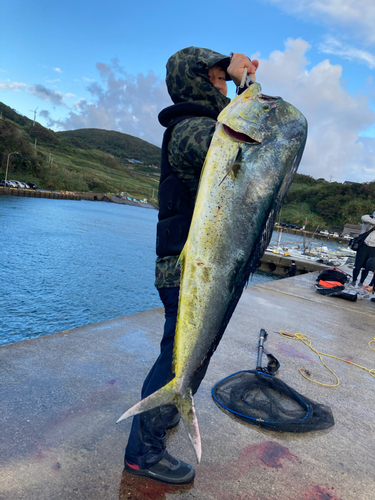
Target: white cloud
{"x":130,"y":104}
{"x":88,"y":79}
{"x":58,"y":70}
{"x":54,"y":81}
{"x":333,"y":46}
{"x":335,"y":117}
{"x":12,"y":85}
{"x":126,"y":103}
{"x":70,"y":95}
{"x":357,"y":16}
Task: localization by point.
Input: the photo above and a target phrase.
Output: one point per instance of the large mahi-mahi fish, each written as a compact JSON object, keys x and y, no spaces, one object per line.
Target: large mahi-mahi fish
{"x":254,"y":154}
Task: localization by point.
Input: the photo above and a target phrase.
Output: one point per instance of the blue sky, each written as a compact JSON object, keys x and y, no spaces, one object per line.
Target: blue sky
{"x":102,"y":65}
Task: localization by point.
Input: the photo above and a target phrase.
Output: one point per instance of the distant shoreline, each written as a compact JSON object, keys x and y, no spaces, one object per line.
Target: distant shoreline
{"x":72,"y":195}
{"x":122,"y":201}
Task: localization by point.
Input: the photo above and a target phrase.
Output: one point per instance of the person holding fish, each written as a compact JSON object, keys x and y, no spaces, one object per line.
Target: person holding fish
{"x":197,"y":84}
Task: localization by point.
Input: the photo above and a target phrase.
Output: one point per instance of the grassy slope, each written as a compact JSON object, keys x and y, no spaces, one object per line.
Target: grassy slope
{"x":82,"y":160}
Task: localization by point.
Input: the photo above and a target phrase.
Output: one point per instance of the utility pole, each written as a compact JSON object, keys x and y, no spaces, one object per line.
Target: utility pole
{"x":6,"y":172}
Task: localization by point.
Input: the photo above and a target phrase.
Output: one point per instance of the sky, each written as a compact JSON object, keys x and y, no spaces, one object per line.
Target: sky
{"x":79,"y":64}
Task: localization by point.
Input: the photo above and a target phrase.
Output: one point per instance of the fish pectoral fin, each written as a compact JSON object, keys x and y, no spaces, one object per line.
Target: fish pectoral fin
{"x":189,"y":418}
{"x":165,"y":395}
{"x":233,"y":164}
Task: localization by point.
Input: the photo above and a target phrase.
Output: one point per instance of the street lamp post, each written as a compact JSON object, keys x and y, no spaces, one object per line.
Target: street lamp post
{"x":6,"y":172}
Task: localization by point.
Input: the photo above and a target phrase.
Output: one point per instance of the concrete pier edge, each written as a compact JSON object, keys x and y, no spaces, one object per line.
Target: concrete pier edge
{"x":62,"y":394}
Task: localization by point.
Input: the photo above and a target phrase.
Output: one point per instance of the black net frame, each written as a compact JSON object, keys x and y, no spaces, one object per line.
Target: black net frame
{"x":264,"y":400}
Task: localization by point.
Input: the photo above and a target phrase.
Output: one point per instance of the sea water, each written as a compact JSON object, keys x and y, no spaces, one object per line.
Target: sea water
{"x":65,"y":264}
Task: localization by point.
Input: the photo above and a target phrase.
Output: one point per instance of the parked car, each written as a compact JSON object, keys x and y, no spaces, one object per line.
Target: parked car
{"x":32,"y":185}
{"x":293,"y":226}
{"x":12,"y":184}
{"x":16,"y":184}
{"x":4,"y":183}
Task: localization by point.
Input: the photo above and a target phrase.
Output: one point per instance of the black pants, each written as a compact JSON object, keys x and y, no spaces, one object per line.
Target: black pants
{"x":147,"y":438}
{"x":364,"y":253}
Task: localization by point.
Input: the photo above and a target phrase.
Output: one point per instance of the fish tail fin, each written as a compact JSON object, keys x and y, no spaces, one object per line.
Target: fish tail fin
{"x":169,"y":394}
{"x":189,"y":418}
{"x":165,"y":395}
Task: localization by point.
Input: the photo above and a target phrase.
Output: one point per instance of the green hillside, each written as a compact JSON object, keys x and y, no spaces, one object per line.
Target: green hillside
{"x":77,"y":160}
{"x":122,"y":146}
{"x":327,"y":204}
{"x":100,"y":160}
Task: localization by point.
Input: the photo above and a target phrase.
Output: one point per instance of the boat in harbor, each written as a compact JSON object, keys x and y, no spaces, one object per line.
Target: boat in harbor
{"x":320,"y":255}
{"x":306,"y":251}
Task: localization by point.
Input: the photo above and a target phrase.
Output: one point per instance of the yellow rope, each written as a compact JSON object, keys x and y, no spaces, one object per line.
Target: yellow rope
{"x":305,"y":339}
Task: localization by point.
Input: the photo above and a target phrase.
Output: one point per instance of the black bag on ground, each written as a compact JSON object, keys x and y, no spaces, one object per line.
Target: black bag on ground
{"x":331,"y":283}
{"x":333,"y":274}
{"x":358,"y":241}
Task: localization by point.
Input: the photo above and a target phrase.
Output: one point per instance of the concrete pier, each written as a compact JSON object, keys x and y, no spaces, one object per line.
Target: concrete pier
{"x":279,"y":264}
{"x":61,"y":395}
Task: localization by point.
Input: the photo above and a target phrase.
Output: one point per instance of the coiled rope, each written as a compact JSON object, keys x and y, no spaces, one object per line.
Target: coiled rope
{"x":305,"y":339}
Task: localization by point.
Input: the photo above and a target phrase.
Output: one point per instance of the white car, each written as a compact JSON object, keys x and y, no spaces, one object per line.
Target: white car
{"x":17,"y":184}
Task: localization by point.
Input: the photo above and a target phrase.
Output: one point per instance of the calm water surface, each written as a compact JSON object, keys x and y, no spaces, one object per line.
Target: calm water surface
{"x":65,"y":264}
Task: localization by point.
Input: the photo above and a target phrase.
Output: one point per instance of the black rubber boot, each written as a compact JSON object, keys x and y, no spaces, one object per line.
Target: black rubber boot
{"x":168,"y":470}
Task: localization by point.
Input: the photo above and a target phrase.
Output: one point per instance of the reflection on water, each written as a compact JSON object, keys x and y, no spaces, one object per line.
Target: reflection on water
{"x":65,"y":264}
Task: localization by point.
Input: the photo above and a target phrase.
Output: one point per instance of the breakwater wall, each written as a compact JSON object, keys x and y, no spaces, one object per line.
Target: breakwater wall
{"x":279,"y":264}
{"x":57,"y":195}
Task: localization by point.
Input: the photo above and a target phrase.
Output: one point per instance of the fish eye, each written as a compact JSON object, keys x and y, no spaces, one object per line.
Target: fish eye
{"x":266,"y":107}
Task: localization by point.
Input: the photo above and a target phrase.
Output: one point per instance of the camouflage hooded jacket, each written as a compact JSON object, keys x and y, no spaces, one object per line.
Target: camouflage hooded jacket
{"x":188,"y":82}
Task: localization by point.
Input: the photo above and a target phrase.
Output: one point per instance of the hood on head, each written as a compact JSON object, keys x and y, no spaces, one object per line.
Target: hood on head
{"x":187,"y":77}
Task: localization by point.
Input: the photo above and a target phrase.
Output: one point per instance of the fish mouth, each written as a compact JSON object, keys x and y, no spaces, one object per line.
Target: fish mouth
{"x":239,"y":136}
{"x":267,"y":98}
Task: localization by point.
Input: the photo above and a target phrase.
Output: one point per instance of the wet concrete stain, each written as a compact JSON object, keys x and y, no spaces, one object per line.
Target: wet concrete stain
{"x":222,"y":481}
{"x":291,"y":351}
{"x":349,"y":359}
{"x":139,"y":488}
{"x":271,"y":454}
{"x":268,"y":453}
{"x":320,"y":493}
